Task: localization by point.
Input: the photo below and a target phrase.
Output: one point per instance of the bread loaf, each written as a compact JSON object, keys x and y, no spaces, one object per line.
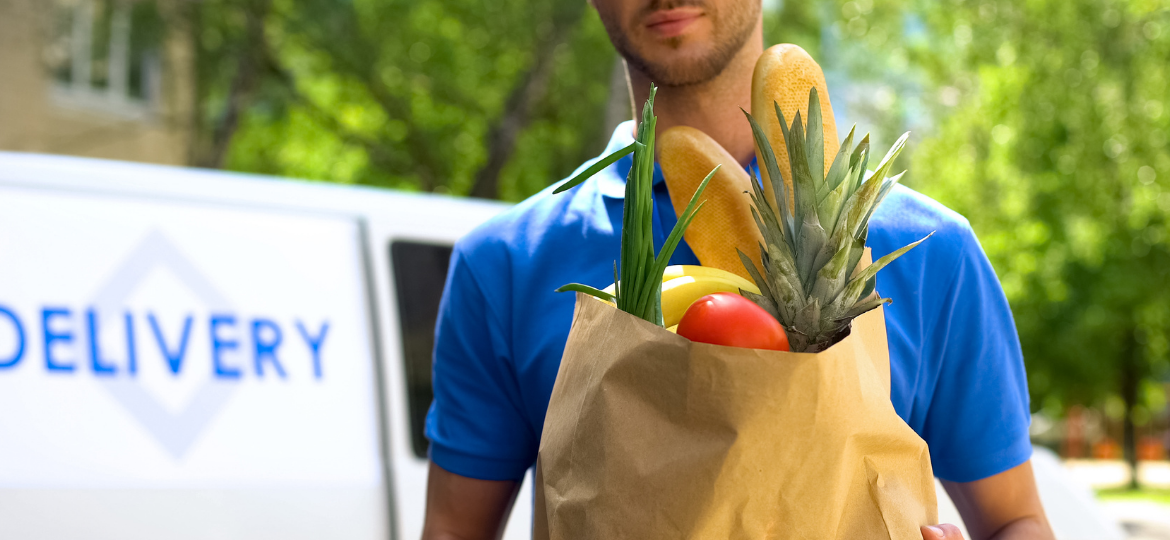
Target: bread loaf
{"x":783,"y":75}
{"x":725,"y":222}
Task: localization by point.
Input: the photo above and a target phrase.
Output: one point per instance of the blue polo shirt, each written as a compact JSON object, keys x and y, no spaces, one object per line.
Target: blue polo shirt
{"x":957,"y":373}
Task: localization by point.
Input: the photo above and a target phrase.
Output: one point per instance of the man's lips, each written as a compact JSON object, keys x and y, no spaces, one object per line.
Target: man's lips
{"x":672,"y":22}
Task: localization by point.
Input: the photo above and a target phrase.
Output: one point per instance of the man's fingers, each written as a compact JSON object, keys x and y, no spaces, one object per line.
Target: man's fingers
{"x":944,"y":531}
{"x":951,"y":532}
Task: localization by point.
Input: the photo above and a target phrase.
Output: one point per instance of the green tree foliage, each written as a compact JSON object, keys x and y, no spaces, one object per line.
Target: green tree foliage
{"x":411,"y":94}
{"x":795,"y":22}
{"x":1051,"y":137}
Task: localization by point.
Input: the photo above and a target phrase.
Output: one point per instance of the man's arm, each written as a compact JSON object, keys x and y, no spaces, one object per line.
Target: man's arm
{"x":1005,"y":506}
{"x":480,"y":434}
{"x":462,"y":508}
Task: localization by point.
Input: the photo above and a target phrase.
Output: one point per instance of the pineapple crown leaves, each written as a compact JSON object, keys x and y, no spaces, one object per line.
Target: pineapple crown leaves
{"x":810,"y":280}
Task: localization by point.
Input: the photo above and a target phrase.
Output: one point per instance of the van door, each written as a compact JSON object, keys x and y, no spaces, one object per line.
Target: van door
{"x":418,"y":271}
{"x":176,"y":369}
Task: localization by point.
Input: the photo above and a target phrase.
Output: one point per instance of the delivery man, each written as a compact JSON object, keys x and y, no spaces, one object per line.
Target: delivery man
{"x":957,"y":373}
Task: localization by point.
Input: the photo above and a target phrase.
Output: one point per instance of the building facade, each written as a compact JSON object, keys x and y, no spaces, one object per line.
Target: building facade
{"x":95,"y":78}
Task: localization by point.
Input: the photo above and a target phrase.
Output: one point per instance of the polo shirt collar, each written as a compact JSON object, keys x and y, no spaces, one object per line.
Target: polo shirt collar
{"x":611,"y":182}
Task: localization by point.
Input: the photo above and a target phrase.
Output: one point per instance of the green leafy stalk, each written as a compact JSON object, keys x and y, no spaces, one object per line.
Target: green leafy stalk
{"x":593,"y":291}
{"x":638,"y":277}
{"x":597,"y":167}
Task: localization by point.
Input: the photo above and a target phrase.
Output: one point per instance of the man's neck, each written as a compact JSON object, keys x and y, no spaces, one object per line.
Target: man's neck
{"x":712,"y":106}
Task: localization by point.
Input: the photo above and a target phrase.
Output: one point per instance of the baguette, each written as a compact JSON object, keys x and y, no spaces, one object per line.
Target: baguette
{"x":725,"y":222}
{"x":783,"y":75}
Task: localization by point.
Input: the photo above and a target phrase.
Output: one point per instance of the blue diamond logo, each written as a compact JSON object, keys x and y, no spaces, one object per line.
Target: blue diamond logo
{"x":175,"y":431}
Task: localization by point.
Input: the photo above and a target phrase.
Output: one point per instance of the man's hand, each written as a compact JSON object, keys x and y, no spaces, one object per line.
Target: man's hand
{"x":945,"y":531}
{"x":1001,"y":507}
{"x":462,"y":508}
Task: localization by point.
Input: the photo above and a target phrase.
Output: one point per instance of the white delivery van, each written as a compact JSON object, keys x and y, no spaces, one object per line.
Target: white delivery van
{"x":198,"y":354}
{"x":190,"y":354}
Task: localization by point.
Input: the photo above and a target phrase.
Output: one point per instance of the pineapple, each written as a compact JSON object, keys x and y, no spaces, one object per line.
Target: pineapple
{"x":810,"y":280}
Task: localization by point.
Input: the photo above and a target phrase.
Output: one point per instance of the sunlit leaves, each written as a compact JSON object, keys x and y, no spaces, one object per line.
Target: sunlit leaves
{"x":1048,"y":137}
{"x":412,"y":88}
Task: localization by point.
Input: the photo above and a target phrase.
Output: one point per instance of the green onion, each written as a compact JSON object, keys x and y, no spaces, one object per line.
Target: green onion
{"x":638,"y":278}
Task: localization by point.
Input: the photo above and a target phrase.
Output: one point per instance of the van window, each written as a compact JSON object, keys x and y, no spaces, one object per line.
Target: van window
{"x":420,"y":270}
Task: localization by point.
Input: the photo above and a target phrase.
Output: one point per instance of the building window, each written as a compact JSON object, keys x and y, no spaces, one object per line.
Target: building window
{"x":420,"y":273}
{"x":105,"y":54}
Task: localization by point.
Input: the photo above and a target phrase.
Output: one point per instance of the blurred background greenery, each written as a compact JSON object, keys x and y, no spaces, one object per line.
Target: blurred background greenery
{"x":1044,"y":122}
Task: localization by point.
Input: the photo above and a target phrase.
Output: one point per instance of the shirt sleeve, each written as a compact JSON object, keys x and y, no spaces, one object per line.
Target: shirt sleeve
{"x":977,"y":423}
{"x":475,"y":424}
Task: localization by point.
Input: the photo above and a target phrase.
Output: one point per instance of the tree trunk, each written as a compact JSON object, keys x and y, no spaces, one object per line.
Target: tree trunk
{"x":1129,"y":389}
{"x":517,"y":113}
{"x":249,"y":67}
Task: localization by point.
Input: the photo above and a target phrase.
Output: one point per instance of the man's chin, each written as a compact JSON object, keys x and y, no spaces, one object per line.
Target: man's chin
{"x":681,"y":68}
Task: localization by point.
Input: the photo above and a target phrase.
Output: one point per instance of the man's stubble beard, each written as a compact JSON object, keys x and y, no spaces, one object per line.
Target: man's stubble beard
{"x":731,"y":29}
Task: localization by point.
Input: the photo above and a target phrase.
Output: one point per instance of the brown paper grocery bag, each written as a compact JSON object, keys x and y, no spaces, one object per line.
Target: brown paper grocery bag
{"x":650,"y":436}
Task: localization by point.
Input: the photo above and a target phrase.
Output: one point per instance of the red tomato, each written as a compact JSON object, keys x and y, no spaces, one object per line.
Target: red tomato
{"x":732,"y":320}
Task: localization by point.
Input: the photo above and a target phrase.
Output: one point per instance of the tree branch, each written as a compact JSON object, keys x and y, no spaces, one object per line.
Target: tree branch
{"x":521,"y":101}
{"x":244,"y":84}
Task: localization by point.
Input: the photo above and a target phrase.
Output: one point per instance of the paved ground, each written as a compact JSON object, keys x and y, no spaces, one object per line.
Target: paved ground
{"x":1143,"y":520}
